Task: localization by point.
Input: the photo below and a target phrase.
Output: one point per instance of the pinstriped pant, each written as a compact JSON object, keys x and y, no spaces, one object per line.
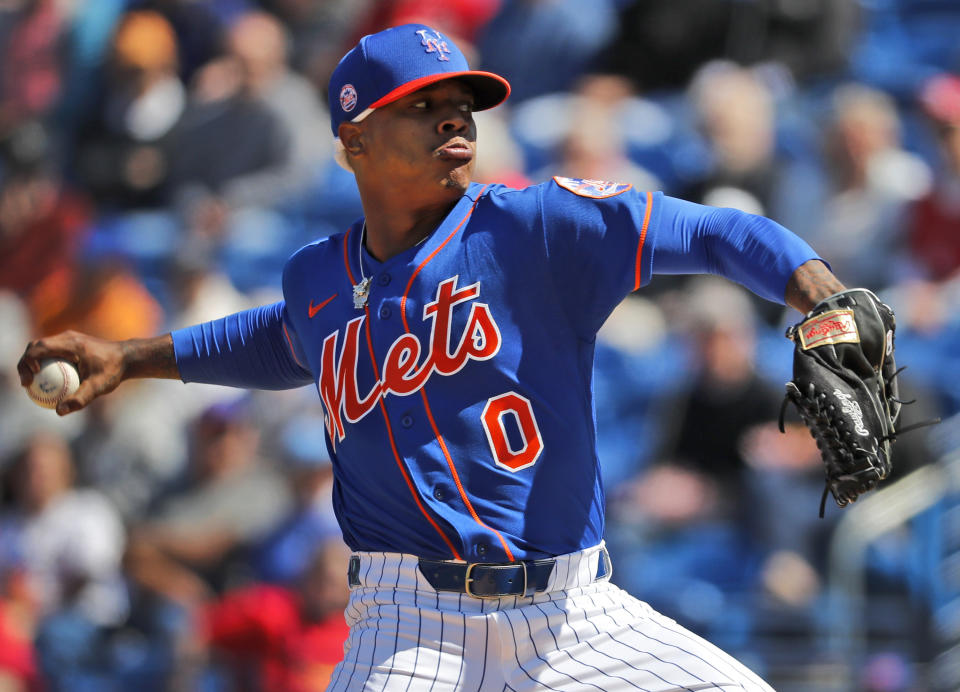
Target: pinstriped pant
{"x":580,"y":634}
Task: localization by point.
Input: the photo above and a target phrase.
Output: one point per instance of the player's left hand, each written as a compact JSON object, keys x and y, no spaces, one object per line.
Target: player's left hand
{"x":845,"y":387}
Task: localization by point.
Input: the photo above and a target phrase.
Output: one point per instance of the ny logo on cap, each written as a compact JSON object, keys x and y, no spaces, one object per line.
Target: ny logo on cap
{"x":434,"y":44}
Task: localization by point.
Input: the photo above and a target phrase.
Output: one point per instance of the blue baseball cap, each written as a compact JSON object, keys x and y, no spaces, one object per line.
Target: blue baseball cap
{"x":388,"y":65}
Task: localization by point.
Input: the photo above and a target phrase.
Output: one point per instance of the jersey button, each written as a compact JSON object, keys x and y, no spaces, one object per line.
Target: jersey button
{"x":407,"y":421}
{"x":385,"y":312}
{"x":438,"y":493}
{"x":384,"y":279}
{"x":481,"y":549}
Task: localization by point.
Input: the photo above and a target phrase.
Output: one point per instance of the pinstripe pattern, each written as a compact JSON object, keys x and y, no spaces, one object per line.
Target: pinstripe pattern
{"x":581,"y":634}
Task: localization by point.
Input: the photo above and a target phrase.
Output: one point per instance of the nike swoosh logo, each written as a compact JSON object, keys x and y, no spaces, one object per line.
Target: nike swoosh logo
{"x":314,"y":309}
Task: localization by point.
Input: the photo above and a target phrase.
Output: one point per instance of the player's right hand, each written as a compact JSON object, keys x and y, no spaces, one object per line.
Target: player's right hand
{"x":100,"y":364}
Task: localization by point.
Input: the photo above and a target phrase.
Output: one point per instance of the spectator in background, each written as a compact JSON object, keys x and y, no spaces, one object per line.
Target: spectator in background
{"x":736,"y":112}
{"x":198,"y":27}
{"x":240,"y":194}
{"x":134,"y":448}
{"x":283,"y":555}
{"x":90,"y":27}
{"x":199,"y":289}
{"x":283,"y":638}
{"x":688,"y":510}
{"x":319,"y":32}
{"x":130,"y":451}
{"x":256,"y":58}
{"x":42,"y":223}
{"x":726,"y":399}
{"x":67,"y":545}
{"x":194,"y":544}
{"x":126,"y":152}
{"x":640,"y":362}
{"x":873,"y":181}
{"x":933,"y":226}
{"x":594,"y":146}
{"x":70,"y":542}
{"x":18,"y":665}
{"x":926,"y":301}
{"x":31,"y":38}
{"x":107,"y":298}
{"x":221,"y":166}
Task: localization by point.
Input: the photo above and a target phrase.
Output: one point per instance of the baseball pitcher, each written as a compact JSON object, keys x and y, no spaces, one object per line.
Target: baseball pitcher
{"x":450,"y":334}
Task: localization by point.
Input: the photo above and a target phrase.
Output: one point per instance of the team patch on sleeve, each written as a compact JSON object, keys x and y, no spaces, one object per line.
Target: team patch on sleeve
{"x":595,"y":189}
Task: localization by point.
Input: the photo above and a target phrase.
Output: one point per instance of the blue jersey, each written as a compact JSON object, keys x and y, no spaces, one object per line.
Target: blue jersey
{"x":458,"y":401}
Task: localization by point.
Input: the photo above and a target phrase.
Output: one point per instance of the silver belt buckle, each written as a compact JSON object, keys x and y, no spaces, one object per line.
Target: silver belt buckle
{"x":467,"y":579}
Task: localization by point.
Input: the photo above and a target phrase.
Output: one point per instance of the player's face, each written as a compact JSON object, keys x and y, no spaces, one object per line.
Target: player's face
{"x":427,"y":138}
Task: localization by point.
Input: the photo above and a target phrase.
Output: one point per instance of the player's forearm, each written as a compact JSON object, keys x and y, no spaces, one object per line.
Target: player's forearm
{"x":152,"y":357}
{"x":810,"y":283}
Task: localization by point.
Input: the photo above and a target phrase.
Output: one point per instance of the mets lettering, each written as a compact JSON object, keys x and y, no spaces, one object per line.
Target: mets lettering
{"x":403,"y":373}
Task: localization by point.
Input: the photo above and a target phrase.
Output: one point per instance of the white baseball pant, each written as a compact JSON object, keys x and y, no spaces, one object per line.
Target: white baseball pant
{"x":582,"y":633}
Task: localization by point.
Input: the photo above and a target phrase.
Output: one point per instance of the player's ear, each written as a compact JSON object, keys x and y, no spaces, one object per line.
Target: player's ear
{"x":351,"y":136}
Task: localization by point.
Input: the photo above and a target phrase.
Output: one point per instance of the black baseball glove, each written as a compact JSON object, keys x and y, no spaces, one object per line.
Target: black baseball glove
{"x":845,"y":387}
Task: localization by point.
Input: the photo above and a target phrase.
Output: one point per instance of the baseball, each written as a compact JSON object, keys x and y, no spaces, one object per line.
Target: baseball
{"x":56,"y":380}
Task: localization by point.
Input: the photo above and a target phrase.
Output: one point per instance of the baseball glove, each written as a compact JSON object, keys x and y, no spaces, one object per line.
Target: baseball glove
{"x":845,"y":387}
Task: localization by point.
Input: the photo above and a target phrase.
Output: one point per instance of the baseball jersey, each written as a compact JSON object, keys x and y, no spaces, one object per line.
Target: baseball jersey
{"x":458,"y":402}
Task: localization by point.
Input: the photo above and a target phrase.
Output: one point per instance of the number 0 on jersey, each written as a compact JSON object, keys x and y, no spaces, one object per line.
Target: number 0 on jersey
{"x":512,"y":404}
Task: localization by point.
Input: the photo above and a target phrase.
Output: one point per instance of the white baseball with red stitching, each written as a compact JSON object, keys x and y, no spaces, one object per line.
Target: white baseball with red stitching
{"x":56,"y":380}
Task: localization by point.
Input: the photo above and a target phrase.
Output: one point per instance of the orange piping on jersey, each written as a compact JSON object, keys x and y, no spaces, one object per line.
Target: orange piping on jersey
{"x":423,"y":392}
{"x":290,"y":344}
{"x":386,"y":419}
{"x":456,"y":477}
{"x":403,"y":301}
{"x":346,"y":262}
{"x":396,"y":454}
{"x":643,"y":237}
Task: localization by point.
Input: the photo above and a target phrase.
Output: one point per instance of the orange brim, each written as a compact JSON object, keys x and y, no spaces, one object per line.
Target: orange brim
{"x":489,"y":89}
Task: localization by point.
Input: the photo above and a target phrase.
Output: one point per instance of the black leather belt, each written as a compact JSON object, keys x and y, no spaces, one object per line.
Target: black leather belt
{"x":487,"y":579}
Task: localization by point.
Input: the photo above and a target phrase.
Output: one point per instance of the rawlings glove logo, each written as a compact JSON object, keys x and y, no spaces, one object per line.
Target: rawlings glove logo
{"x":834,"y":327}
{"x":852,"y":409}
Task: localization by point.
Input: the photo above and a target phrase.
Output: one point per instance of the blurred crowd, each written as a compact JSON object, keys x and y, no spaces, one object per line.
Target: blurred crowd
{"x":159,"y":161}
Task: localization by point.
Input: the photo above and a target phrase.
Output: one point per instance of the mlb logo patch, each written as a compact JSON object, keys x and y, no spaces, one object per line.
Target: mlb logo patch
{"x":348,"y":98}
{"x":595,"y":189}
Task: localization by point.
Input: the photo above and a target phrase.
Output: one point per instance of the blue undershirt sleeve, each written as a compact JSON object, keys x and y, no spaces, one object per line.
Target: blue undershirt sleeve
{"x":250,"y":349}
{"x":752,"y":250}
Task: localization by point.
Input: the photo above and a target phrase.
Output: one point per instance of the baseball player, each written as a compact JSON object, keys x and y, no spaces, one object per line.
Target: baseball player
{"x":449,"y":334}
